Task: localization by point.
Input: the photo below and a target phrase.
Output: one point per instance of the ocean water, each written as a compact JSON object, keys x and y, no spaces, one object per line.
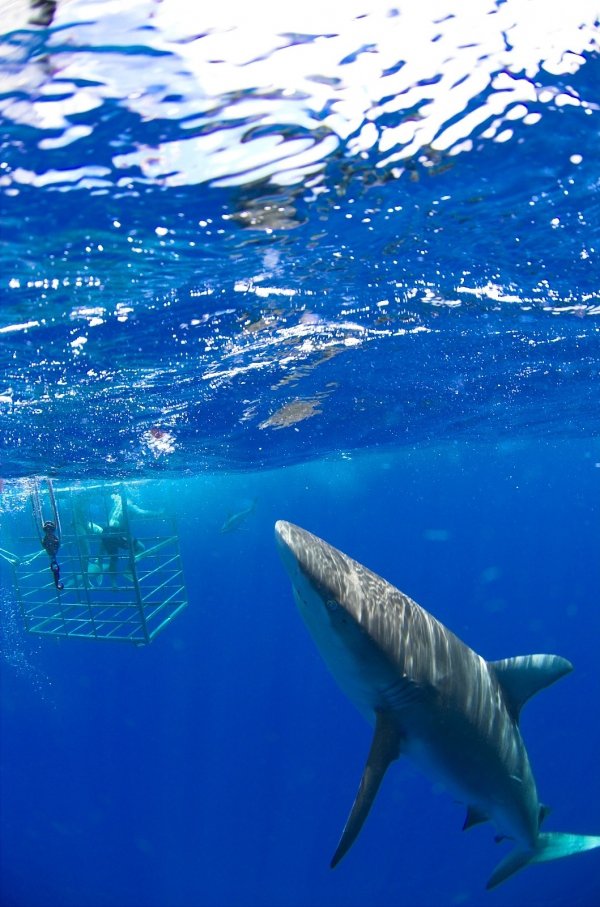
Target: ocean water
{"x":334,"y":265}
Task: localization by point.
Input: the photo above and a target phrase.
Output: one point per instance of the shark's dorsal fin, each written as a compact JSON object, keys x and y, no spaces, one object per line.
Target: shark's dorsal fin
{"x":385,"y":747}
{"x":524,"y":675}
{"x":474,"y":817}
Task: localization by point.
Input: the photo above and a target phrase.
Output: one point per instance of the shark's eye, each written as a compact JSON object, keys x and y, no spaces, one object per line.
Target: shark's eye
{"x":331,"y":604}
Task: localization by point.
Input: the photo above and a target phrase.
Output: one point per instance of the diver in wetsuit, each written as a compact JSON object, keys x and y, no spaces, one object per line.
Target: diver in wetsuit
{"x":115,"y":538}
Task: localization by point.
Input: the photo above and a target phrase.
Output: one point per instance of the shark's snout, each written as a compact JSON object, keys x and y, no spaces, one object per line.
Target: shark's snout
{"x":282,"y":532}
{"x":290,"y":550}
{"x":311,"y":563}
{"x":293,"y":543}
{"x":283,"y":541}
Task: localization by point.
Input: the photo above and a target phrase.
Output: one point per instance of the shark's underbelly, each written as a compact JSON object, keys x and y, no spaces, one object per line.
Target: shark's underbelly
{"x":468,"y":764}
{"x":450,"y":748}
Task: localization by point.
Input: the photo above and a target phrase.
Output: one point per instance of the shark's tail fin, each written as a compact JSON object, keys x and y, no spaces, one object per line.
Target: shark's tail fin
{"x":550,"y":846}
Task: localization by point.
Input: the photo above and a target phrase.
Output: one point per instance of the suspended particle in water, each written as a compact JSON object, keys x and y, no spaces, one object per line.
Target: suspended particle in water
{"x":16,"y":651}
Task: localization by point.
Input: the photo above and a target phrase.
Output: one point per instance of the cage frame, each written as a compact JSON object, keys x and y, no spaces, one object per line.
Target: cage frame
{"x":132,"y":600}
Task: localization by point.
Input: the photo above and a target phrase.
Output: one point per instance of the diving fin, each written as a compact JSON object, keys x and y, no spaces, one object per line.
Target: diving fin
{"x":385,"y":748}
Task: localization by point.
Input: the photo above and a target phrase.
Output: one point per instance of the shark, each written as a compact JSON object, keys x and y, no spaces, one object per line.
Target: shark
{"x":235,"y":520}
{"x":430,"y":697}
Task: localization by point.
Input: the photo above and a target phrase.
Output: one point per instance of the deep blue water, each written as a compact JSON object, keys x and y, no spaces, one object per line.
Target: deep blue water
{"x":401,"y":356}
{"x":217,"y":766}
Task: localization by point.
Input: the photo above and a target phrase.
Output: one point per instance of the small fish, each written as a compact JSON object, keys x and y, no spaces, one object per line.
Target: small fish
{"x":235,"y":520}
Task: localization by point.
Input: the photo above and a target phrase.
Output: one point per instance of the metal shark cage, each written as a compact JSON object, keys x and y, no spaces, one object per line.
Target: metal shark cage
{"x":128,"y":591}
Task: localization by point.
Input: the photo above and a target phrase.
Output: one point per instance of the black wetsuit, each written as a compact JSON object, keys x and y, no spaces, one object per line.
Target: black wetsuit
{"x":113,"y":540}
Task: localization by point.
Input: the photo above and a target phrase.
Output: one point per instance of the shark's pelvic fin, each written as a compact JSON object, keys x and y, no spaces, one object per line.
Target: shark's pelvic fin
{"x":523,"y":676}
{"x":550,"y":846}
{"x":474,"y":817}
{"x":385,"y":748}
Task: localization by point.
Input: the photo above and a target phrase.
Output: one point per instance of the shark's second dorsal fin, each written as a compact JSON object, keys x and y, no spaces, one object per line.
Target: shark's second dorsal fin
{"x":524,"y":675}
{"x":385,"y":747}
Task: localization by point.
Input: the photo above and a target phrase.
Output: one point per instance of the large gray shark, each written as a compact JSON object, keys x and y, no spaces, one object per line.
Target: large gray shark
{"x":429,"y":696}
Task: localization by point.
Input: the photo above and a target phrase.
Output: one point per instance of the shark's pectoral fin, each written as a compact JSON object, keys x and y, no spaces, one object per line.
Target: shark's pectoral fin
{"x":384,"y":749}
{"x":525,"y":675}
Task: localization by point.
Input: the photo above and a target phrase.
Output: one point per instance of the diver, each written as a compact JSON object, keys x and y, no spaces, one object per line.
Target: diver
{"x":115,"y":539}
{"x":85,"y":529}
